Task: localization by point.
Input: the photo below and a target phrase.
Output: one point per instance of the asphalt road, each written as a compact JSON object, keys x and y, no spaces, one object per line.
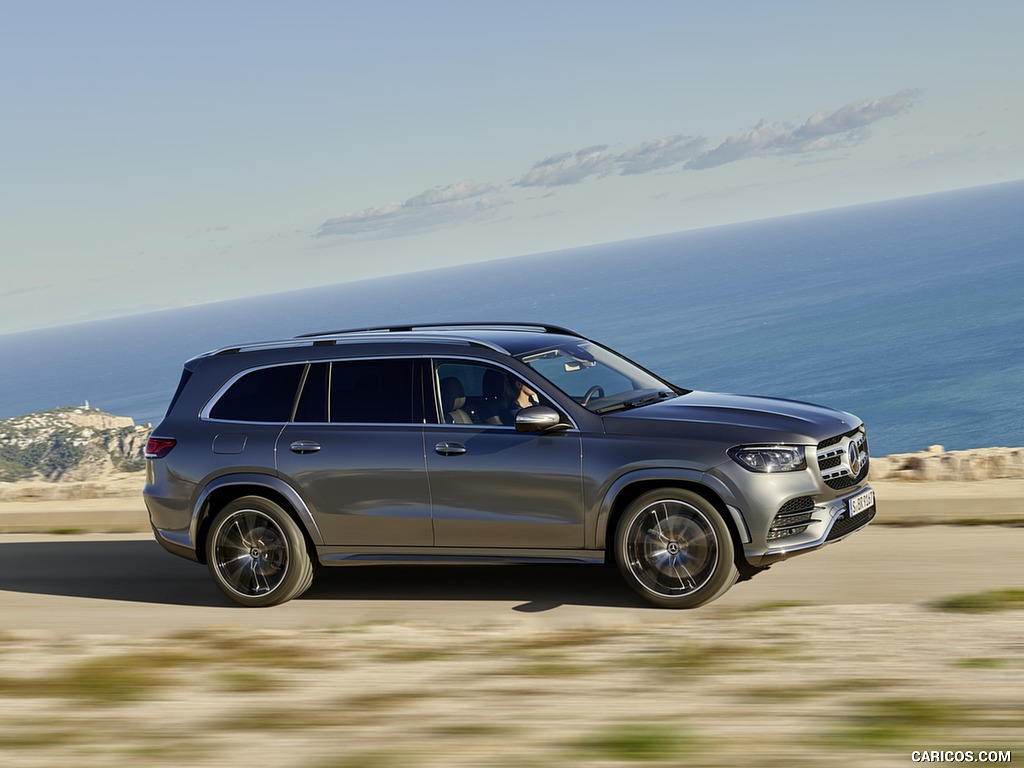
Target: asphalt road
{"x":127,"y":585}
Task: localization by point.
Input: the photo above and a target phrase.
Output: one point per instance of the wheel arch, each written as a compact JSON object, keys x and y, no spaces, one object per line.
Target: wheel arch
{"x":226,"y":489}
{"x":630,"y":487}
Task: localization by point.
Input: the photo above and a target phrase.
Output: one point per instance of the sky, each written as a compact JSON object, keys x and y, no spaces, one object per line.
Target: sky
{"x":156,"y":155}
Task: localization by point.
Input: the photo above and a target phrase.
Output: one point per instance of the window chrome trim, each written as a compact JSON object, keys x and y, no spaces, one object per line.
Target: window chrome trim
{"x":480,"y":427}
{"x":204,"y":414}
{"x":375,"y":424}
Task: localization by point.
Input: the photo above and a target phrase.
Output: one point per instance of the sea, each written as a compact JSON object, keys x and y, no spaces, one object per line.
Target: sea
{"x":908,"y":313}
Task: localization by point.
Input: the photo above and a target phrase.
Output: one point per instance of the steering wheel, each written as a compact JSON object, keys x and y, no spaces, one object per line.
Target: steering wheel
{"x":594,"y":390}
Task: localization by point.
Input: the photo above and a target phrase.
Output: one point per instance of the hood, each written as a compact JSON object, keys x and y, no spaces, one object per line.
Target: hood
{"x":734,"y":418}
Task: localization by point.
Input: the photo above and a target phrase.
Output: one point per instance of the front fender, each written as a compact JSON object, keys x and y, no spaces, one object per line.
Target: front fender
{"x":670,"y":476}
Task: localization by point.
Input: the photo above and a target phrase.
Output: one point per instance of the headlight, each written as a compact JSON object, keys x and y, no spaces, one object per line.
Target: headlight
{"x":770,"y":458}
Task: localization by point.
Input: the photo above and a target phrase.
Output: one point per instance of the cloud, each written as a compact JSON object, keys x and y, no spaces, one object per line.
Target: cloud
{"x":431,"y":209}
{"x":823,"y":131}
{"x":465,"y":201}
{"x":568,"y":168}
{"x":736,"y":147}
{"x":856,"y":114}
{"x":656,"y":154}
{"x":455,"y":193}
{"x":573,"y":167}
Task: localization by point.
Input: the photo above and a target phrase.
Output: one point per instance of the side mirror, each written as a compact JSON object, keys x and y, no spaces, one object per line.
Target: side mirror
{"x":539,"y":418}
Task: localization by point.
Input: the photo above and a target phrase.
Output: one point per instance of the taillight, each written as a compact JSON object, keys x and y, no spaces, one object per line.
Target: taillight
{"x":158,"y":447}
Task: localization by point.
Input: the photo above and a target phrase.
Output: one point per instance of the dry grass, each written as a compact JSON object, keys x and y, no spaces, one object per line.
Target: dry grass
{"x":984,"y":602}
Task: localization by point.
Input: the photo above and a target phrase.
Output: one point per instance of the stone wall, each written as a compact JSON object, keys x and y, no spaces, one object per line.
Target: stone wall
{"x":938,"y":464}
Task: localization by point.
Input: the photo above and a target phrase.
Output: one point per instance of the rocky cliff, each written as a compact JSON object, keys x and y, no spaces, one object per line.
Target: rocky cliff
{"x":70,"y":444}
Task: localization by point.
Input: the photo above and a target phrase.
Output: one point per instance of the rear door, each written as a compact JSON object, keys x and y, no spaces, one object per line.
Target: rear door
{"x":355,"y":452}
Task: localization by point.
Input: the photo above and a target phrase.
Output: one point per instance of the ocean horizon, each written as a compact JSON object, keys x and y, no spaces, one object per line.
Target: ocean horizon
{"x":909,"y":313}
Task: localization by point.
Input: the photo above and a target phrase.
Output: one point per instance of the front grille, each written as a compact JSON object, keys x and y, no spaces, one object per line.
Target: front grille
{"x":841,"y":483}
{"x":846,"y":524}
{"x":843,"y":460}
{"x":792,"y":518}
{"x":829,"y":441}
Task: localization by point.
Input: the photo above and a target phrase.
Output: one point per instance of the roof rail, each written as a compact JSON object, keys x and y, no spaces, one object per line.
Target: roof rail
{"x":400,"y":332}
{"x":500,"y":326}
{"x":355,"y":336}
{"x":351,"y":337}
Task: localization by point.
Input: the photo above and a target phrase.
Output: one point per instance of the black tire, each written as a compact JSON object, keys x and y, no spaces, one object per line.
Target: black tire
{"x":673,"y":547}
{"x":257,"y":554}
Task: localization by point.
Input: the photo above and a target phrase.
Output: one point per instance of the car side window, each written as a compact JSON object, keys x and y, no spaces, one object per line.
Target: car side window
{"x":383,"y":391}
{"x":374,"y":392}
{"x":478,"y":393}
{"x":263,"y":395}
{"x":312,"y":408}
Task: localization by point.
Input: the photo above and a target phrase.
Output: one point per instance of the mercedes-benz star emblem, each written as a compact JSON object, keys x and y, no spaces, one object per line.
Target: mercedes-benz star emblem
{"x":854,"y":455}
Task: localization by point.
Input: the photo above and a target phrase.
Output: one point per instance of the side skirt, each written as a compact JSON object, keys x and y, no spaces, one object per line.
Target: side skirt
{"x":454,"y":555}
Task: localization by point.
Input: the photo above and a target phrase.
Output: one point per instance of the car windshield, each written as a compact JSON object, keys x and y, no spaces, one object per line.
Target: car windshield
{"x":597,"y":378}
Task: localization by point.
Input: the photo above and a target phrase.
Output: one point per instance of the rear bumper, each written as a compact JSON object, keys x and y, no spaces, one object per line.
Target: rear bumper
{"x":165,"y":517}
{"x":176,"y":543}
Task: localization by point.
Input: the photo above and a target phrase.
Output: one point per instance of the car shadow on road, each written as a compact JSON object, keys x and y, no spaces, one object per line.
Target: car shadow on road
{"x":140,"y":571}
{"x":134,"y":571}
{"x":535,"y":588}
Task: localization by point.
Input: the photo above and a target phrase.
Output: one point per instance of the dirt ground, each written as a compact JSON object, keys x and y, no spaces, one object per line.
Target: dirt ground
{"x":116,"y":654}
{"x":775,"y":685}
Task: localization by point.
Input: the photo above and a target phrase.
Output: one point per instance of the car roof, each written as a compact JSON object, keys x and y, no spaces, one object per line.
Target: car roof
{"x":505,"y":338}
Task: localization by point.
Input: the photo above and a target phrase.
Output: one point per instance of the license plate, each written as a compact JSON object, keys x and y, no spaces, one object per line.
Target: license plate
{"x":861,"y":502}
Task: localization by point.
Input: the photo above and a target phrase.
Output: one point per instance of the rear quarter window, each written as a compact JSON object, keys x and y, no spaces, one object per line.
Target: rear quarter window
{"x":185,"y":376}
{"x":267,"y":394}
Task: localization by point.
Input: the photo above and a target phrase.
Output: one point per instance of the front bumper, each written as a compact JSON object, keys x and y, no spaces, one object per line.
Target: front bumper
{"x":830,"y":521}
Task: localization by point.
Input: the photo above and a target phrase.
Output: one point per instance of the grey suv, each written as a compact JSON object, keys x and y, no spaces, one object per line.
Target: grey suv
{"x":488,"y":442}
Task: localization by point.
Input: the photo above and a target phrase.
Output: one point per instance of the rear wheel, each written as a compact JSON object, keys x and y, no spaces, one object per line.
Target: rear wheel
{"x":257,"y":554}
{"x":674,"y":549}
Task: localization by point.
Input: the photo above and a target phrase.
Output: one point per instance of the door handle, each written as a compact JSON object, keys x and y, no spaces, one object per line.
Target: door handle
{"x":450,"y":449}
{"x":305,"y":446}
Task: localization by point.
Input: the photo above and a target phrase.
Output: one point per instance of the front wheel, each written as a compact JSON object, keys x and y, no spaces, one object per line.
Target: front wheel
{"x":673,"y":547}
{"x":257,"y":554}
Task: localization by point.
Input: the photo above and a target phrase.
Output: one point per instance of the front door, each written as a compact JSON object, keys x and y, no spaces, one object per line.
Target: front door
{"x":490,"y":485}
